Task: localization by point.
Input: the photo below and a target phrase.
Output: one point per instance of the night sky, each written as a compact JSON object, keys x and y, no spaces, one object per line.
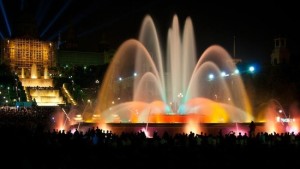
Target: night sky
{"x":254,"y":25}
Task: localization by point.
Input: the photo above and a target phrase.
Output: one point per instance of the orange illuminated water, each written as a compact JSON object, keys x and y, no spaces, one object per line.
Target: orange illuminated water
{"x":145,"y":84}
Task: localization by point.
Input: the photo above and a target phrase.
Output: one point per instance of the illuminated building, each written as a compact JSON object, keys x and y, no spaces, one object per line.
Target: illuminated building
{"x":24,"y":52}
{"x":29,"y":57}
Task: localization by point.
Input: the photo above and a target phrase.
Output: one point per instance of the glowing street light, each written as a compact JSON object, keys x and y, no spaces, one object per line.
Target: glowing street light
{"x":89,"y":101}
{"x":251,"y":69}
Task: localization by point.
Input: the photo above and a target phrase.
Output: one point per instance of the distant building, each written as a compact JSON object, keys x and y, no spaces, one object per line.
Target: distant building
{"x":24,"y":52}
{"x":68,"y":52}
{"x":79,"y":58}
{"x":280,"y":54}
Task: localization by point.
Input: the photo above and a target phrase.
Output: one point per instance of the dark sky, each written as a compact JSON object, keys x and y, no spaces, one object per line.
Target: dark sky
{"x":254,"y":24}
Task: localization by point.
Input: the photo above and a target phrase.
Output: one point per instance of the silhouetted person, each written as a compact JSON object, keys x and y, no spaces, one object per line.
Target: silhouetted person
{"x":220,"y":133}
{"x":34,"y":103}
{"x":252,"y":129}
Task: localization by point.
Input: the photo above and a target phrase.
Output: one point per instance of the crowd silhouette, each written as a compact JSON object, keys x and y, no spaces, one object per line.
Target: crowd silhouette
{"x":28,"y":141}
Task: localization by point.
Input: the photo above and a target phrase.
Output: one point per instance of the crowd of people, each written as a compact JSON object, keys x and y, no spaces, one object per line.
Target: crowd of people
{"x":27,"y":140}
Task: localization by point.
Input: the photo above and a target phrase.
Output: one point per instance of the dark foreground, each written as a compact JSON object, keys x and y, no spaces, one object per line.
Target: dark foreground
{"x":27,"y":142}
{"x":98,"y":149}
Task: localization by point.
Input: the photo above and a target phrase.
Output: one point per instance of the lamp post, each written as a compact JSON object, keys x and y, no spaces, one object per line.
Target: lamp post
{"x":8,"y":95}
{"x":89,"y":102}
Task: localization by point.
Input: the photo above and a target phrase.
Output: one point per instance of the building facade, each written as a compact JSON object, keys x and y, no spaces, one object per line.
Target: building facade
{"x":23,"y":53}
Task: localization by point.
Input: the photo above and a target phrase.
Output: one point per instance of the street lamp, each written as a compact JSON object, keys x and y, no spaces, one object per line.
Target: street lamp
{"x":251,"y":69}
{"x":90,"y":102}
{"x":8,"y":94}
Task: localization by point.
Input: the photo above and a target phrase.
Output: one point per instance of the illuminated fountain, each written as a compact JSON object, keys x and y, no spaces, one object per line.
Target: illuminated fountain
{"x":276,"y":119}
{"x":46,"y":76}
{"x":34,"y":72}
{"x":39,"y":88}
{"x":144,"y":85}
{"x":22,"y":73}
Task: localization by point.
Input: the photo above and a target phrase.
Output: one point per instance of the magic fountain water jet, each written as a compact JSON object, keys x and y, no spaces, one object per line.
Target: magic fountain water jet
{"x":34,"y":74}
{"x":174,"y":86}
{"x":275,"y":118}
{"x":40,"y":88}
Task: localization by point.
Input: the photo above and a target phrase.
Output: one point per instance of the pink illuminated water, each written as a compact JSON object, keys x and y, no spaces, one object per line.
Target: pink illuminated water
{"x":277,"y":120}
